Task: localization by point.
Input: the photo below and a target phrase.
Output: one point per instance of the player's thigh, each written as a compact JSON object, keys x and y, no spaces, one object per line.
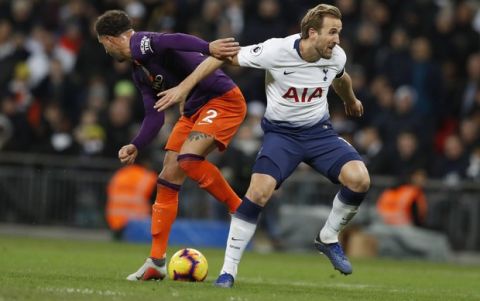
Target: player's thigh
{"x":179,"y":134}
{"x":329,"y":155}
{"x":261,"y":188}
{"x":278,"y":157}
{"x":198,"y":143}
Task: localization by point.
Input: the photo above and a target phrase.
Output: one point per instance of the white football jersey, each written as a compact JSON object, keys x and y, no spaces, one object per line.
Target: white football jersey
{"x":296,"y":90}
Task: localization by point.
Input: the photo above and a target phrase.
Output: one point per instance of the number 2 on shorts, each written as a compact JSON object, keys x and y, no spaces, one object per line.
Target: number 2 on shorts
{"x":210,"y":115}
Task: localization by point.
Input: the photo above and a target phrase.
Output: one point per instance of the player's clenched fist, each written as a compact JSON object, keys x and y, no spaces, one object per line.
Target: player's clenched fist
{"x":128,"y":153}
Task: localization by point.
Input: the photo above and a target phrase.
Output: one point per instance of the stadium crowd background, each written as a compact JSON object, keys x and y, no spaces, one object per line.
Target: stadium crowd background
{"x":415,"y":65}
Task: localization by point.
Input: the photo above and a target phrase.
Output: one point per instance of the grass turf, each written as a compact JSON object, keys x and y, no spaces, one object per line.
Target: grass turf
{"x":49,"y":269}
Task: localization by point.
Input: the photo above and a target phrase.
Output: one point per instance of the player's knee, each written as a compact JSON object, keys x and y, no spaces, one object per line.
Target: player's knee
{"x":259,"y":195}
{"x":359,"y":181}
{"x":356,"y":178}
{"x":187,"y":162}
{"x":171,"y":172}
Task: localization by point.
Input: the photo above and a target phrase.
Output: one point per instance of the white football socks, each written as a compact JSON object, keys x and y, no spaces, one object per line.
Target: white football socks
{"x":240,"y":234}
{"x":338,"y":218}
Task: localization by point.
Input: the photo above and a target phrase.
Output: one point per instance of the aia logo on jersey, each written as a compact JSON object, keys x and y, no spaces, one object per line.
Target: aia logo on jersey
{"x":303,"y":95}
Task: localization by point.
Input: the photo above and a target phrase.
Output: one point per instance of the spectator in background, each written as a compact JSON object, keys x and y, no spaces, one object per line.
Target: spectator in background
{"x":57,"y":87}
{"x":406,"y":203}
{"x":473,"y":169}
{"x":372,"y":150}
{"x":6,"y":130}
{"x":407,"y":157}
{"x":427,"y":81}
{"x":394,"y":61}
{"x":118,"y":125}
{"x":451,"y":165}
{"x":21,"y":129}
{"x":129,"y":195}
{"x":469,"y":133}
{"x":405,"y":116}
{"x":471,"y":87}
{"x":89,"y":134}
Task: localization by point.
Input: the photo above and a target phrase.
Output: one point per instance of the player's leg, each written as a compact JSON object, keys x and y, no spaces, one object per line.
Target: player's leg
{"x":243,"y":225}
{"x":356,"y":182}
{"x":164,"y":210}
{"x":215,"y":125}
{"x":341,"y":163}
{"x":277,"y":159}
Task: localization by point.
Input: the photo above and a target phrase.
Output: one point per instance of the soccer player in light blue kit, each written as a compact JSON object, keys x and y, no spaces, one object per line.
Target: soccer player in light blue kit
{"x":299,"y":72}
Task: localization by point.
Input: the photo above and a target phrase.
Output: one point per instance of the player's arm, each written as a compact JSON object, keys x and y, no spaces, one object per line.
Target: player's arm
{"x":179,"y":93}
{"x":151,"y":125}
{"x":221,"y":48}
{"x":256,"y":56}
{"x":343,"y":87}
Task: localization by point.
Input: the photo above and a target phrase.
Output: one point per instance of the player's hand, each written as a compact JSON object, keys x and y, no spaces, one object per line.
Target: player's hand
{"x":170,"y":97}
{"x":127,"y":154}
{"x":354,"y":108}
{"x":224,"y":48}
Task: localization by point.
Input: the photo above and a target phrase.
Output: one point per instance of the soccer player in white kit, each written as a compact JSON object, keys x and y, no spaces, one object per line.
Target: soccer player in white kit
{"x":299,"y":71}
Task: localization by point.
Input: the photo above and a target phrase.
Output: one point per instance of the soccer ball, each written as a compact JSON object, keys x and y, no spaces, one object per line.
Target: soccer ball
{"x":188,"y":265}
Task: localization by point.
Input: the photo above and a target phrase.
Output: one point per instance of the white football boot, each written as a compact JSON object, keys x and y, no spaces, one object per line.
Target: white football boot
{"x":149,"y":271}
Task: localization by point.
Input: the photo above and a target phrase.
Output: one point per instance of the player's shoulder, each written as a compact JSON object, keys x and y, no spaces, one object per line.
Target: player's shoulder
{"x":282,"y":43}
{"x":141,"y":44}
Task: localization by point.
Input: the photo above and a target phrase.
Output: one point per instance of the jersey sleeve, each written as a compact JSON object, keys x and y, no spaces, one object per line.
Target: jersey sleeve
{"x":147,"y":45}
{"x":260,"y":56}
{"x":180,"y":42}
{"x":341,"y":60}
{"x":152,"y":121}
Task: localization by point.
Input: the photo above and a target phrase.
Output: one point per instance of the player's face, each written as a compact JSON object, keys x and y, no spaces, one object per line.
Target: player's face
{"x":111,"y":47}
{"x":328,"y":36}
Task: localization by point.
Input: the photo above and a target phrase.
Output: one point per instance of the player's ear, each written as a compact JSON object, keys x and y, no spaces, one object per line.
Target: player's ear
{"x":312,"y":32}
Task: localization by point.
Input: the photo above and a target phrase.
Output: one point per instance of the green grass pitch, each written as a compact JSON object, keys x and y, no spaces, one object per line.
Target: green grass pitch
{"x":48,"y":269}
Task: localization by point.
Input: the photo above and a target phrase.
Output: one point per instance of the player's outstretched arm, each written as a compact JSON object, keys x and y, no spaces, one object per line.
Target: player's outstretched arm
{"x":343,"y":87}
{"x":179,"y":93}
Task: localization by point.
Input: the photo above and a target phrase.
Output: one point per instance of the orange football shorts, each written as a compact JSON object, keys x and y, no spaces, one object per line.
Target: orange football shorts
{"x":220,"y":118}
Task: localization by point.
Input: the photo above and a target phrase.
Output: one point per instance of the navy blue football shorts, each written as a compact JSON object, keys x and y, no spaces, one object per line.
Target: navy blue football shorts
{"x":319,"y":146}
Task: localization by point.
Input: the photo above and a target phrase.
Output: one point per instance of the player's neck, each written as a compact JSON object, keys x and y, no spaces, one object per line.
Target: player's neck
{"x":308,"y":52}
{"x":125,"y":47}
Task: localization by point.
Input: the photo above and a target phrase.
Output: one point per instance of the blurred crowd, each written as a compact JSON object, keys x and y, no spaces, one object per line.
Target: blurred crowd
{"x":415,"y":65}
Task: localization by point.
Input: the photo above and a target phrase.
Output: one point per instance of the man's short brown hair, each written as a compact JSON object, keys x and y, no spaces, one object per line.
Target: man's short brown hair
{"x":314,"y":17}
{"x":113,"y":23}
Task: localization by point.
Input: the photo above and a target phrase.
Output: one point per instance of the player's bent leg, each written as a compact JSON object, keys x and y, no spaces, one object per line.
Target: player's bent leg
{"x":243,"y":226}
{"x":354,"y":176}
{"x":192,"y":161}
{"x":164,"y":212}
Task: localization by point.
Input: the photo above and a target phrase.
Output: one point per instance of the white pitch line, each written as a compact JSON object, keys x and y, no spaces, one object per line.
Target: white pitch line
{"x":308,"y":284}
{"x":81,"y":291}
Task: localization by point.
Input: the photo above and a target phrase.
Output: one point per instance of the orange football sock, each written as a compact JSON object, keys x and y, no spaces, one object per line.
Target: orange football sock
{"x":164,"y":212}
{"x":209,"y":178}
